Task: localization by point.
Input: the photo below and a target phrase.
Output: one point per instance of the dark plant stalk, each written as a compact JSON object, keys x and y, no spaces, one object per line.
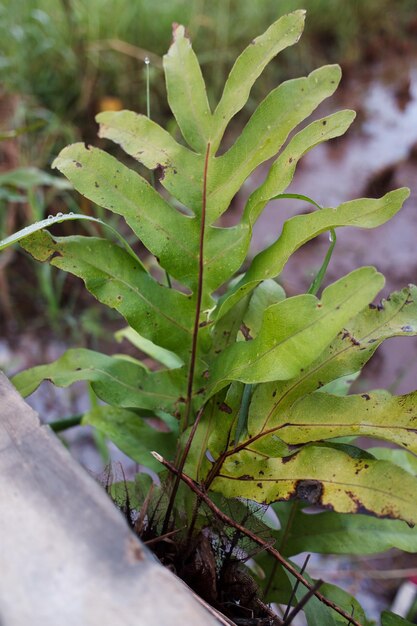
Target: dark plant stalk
{"x":193,"y":358}
{"x":187,"y":412}
{"x":179,"y":472}
{"x":260,"y":542}
{"x":311,"y":592}
{"x":283,"y":541}
{"x":294,"y":590}
{"x":67,"y":422}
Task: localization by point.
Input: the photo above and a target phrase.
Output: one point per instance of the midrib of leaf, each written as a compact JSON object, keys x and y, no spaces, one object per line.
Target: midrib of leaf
{"x":199,"y":298}
{"x":342,"y":424}
{"x":143,"y":392}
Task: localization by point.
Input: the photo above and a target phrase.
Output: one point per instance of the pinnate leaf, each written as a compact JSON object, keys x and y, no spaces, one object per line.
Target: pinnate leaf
{"x":325,"y":476}
{"x":132,"y":434}
{"x":162,"y":315}
{"x":363,"y":213}
{"x":248,"y":66}
{"x":295,"y":331}
{"x":187,"y":94}
{"x":115,"y":380}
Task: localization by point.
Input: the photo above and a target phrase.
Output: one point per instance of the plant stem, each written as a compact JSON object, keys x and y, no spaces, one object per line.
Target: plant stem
{"x":199,"y":298}
{"x":316,"y":284}
{"x":260,"y":542}
{"x":187,"y":412}
{"x":179,"y":471}
{"x":68,"y":422}
{"x":283,"y":541}
{"x":311,"y":592}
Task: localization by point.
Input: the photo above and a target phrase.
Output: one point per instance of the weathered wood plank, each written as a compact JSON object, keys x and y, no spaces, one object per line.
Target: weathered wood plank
{"x":67,"y":556}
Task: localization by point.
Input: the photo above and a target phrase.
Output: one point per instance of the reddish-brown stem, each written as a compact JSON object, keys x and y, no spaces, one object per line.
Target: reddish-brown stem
{"x":193,"y":357}
{"x":199,"y":298}
{"x":151,"y":542}
{"x":260,"y":542}
{"x":179,"y":471}
{"x":311,"y":592}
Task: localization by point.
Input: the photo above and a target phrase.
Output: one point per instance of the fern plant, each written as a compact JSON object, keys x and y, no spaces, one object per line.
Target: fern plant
{"x":251,"y":385}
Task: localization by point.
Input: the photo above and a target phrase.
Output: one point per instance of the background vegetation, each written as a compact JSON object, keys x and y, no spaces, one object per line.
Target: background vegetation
{"x":63,"y":57}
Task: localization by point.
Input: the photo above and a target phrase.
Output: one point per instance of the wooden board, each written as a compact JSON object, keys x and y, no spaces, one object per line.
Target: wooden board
{"x":67,"y":557}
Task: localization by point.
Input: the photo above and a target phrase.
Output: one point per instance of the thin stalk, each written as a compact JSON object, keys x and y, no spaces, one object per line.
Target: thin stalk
{"x":311,"y":592}
{"x":316,"y":284}
{"x":68,"y":422}
{"x":180,"y":469}
{"x":260,"y":542}
{"x":199,"y":299}
{"x":294,"y":591}
{"x":193,"y":358}
{"x":99,"y":437}
{"x":283,"y":541}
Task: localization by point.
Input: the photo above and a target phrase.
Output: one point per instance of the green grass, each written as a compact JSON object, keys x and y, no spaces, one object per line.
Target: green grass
{"x":61,"y":53}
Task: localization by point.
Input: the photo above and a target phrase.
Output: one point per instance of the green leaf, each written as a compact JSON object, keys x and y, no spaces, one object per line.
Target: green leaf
{"x":265,"y":133}
{"x":363,"y":213}
{"x":162,"y":315}
{"x":116,"y":381}
{"x":344,"y":600}
{"x":295,"y":331}
{"x":132,"y":434}
{"x":283,"y":33}
{"x":332,"y":533}
{"x":147,"y":142}
{"x":265,"y":295}
{"x":282,"y":171}
{"x":163,"y":356}
{"x":322,"y":475}
{"x":58,"y":219}
{"x":29,"y":177}
{"x":347,"y":354}
{"x":169,"y":235}
{"x":377,"y":414}
{"x":391,"y":619}
{"x":187,"y":95}
{"x":340,"y":386}
{"x":402,"y":458}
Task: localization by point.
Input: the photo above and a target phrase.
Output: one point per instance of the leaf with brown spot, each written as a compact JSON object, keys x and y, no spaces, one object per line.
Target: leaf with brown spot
{"x":324,"y":476}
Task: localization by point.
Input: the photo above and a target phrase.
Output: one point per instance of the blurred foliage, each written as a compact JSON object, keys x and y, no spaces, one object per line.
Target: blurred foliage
{"x":67,"y":55}
{"x":61,"y":61}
